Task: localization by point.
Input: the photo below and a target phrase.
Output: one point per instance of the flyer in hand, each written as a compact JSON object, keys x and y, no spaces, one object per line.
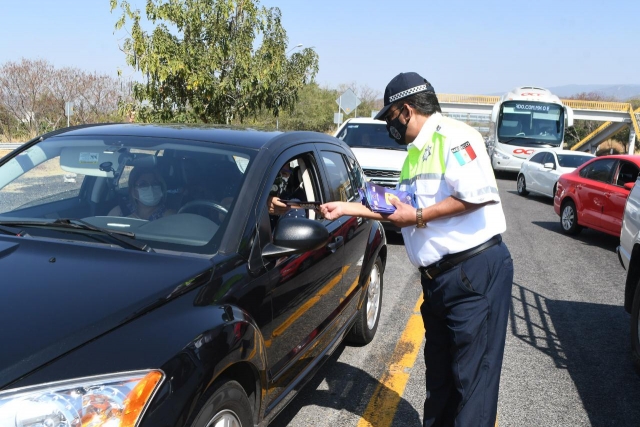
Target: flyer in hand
{"x":378,"y":198}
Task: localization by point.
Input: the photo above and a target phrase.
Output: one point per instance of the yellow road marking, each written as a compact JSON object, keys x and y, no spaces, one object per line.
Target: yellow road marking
{"x":310,"y":303}
{"x":385,"y":399}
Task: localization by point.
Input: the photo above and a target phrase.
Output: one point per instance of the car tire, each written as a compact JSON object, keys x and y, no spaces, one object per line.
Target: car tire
{"x":522,"y":185}
{"x":228,"y":405}
{"x":569,"y":218}
{"x":635,"y":329}
{"x":366,"y":323}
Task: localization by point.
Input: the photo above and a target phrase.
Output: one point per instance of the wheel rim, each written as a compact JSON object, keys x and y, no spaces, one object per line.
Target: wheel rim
{"x":373,"y":294}
{"x":567,"y":217}
{"x":520,"y":184}
{"x":225,"y":418}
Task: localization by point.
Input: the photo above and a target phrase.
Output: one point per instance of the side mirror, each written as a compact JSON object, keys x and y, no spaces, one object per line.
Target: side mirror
{"x":569,"y":116}
{"x":629,"y":185}
{"x":296,"y":235}
{"x":549,"y":166}
{"x":494,"y":113}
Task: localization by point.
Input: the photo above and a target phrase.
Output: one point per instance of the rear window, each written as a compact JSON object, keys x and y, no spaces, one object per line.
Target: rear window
{"x":572,"y":160}
{"x":368,"y":135}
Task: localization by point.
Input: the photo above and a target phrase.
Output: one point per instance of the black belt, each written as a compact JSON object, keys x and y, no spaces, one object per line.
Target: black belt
{"x":449,"y":261}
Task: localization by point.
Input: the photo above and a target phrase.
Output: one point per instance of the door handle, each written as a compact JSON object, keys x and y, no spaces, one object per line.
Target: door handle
{"x":337,"y":242}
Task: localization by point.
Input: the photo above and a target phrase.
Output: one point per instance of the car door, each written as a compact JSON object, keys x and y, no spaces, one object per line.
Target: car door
{"x":354,"y":229}
{"x":534,"y":169}
{"x":590,"y":191}
{"x":548,"y":176}
{"x":616,"y":196}
{"x":303,"y":286}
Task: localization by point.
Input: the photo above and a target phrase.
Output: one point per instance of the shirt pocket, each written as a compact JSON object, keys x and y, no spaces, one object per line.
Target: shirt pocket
{"x":430,"y":187}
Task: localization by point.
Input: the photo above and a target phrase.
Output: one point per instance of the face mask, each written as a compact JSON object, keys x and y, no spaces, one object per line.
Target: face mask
{"x":150,"y":196}
{"x":397,"y":130}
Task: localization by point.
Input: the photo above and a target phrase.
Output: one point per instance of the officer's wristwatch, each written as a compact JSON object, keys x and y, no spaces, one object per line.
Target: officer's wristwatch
{"x":419,"y":220}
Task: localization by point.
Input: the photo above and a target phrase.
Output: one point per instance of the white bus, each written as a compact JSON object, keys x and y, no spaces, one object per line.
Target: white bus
{"x":523,"y":121}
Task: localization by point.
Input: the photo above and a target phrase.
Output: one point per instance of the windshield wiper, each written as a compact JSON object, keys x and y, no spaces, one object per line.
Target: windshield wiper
{"x":512,"y":139}
{"x":389,"y":148}
{"x":124,"y":237}
{"x":12,"y":231}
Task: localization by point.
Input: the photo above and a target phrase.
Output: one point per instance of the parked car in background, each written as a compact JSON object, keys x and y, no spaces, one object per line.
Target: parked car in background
{"x":595,"y":193}
{"x":209,"y":313}
{"x":380,"y":156}
{"x":540,"y":172}
{"x":629,"y":256}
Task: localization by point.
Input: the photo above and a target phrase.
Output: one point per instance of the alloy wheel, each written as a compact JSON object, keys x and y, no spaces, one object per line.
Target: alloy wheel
{"x":568,"y":217}
{"x":225,"y":418}
{"x":520,"y":184}
{"x":373,"y":300}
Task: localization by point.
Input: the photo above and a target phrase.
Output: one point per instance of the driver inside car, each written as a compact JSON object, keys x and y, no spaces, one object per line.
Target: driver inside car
{"x":147,"y":196}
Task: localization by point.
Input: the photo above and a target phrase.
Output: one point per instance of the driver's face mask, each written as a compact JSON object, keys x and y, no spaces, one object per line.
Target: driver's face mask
{"x":150,"y":195}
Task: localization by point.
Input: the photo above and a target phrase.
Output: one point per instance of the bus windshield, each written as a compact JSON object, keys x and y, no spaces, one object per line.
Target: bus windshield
{"x":531,"y":122}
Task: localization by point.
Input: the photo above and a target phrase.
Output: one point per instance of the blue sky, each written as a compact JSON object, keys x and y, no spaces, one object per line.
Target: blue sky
{"x":460,"y":46}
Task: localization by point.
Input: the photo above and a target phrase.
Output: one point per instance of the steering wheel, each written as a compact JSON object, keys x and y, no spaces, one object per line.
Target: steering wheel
{"x":206,"y":204}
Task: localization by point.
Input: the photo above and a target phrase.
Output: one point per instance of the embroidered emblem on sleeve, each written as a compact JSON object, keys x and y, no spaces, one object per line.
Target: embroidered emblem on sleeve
{"x":427,"y":153}
{"x":464,"y":153}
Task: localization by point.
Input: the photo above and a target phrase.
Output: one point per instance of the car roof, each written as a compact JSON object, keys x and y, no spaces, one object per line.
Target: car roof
{"x":363,"y":120}
{"x":237,"y":136}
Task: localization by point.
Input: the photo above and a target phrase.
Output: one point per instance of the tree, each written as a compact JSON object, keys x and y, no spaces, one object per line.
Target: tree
{"x":212,"y":60}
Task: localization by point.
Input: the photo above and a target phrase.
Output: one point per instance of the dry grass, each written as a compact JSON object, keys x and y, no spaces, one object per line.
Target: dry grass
{"x":608,"y":145}
{"x":4,"y":152}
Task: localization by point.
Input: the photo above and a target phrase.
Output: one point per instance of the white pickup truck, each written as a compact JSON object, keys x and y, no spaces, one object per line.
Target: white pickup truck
{"x":629,"y":255}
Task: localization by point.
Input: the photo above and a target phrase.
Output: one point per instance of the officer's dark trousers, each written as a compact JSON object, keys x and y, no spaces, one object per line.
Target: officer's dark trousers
{"x":465,"y":313}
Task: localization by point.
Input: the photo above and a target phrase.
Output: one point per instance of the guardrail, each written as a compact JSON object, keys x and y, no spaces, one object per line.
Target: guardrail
{"x":8,"y":146}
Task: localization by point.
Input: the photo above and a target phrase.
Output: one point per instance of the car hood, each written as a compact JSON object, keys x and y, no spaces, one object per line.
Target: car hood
{"x":57,"y":296}
{"x":372,"y":158}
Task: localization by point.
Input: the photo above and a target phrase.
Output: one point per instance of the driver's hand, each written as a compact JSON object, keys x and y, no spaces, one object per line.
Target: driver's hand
{"x":276,"y":207}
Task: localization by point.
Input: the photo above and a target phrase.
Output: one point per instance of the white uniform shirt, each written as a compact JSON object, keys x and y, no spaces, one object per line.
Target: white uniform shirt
{"x":461,"y":168}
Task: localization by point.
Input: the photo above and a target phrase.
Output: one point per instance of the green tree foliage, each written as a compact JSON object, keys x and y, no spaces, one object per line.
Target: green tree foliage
{"x":212,"y":61}
{"x":313,"y":111}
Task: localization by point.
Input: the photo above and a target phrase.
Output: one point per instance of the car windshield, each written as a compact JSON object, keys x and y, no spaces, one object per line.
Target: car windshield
{"x":572,"y":160}
{"x":535,"y":122}
{"x":368,"y":135}
{"x":160,"y":193}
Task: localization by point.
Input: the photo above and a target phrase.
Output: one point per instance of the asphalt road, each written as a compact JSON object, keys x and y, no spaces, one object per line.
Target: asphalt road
{"x":567,"y":360}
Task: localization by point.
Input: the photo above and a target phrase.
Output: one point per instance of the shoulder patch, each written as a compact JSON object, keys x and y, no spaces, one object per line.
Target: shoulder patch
{"x":464,"y":153}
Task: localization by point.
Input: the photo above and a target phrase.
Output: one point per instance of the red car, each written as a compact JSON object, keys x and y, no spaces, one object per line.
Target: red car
{"x":595,"y":193}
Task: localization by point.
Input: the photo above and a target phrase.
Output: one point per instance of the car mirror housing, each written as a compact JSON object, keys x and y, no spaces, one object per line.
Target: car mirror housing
{"x":549,"y":165}
{"x":296,"y":235}
{"x":629,"y":185}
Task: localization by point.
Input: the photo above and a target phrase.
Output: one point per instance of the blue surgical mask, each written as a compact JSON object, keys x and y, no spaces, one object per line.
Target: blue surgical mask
{"x":150,"y":196}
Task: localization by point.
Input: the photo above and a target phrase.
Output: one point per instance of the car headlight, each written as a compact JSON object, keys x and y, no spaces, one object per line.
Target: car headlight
{"x":115,"y":400}
{"x":500,"y":155}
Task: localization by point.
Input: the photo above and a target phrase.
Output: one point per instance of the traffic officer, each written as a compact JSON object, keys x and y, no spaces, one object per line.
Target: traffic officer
{"x":453,"y":238}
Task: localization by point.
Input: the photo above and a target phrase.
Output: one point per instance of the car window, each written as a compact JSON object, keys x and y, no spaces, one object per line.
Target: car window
{"x":339,"y":179}
{"x":296,"y":181}
{"x":368,"y":135}
{"x":537,"y":158}
{"x":171,"y":194}
{"x":59,"y":185}
{"x":628,"y":172}
{"x":548,"y":158}
{"x":356,"y":174}
{"x":572,"y":160}
{"x":601,"y":170}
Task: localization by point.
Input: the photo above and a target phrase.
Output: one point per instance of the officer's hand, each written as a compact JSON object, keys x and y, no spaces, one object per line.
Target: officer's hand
{"x":276,"y":207}
{"x":405,"y":214}
{"x":332,"y":210}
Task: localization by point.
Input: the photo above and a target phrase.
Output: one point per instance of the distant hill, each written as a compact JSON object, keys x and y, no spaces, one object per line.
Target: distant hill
{"x":620,"y":92}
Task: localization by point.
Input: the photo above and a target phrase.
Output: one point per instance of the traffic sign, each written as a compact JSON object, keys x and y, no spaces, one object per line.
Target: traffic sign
{"x":348,"y":101}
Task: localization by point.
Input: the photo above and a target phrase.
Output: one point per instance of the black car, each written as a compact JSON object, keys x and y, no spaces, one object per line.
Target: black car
{"x":144,"y":283}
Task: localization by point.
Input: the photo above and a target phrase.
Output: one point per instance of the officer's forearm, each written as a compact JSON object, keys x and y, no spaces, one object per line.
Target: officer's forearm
{"x":449,"y":207}
{"x":358,"y":209}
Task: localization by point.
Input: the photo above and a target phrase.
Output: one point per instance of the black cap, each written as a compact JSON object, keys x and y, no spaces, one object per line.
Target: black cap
{"x":402,"y":86}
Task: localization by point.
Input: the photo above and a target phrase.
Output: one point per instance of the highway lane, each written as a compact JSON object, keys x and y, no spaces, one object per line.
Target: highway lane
{"x":567,"y":359}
